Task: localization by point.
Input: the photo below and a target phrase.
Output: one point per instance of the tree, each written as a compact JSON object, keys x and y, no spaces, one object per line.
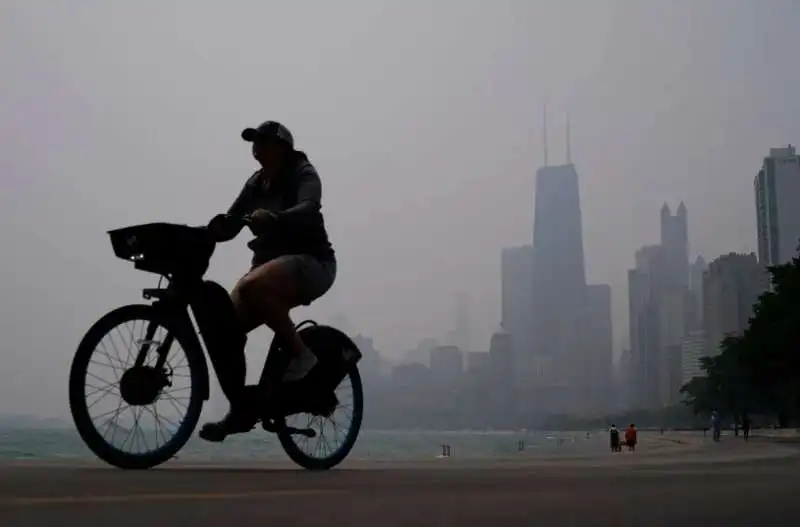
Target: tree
{"x":759,"y":370}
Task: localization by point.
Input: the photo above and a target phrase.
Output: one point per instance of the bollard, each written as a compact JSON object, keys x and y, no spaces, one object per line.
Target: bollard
{"x":520,"y":445}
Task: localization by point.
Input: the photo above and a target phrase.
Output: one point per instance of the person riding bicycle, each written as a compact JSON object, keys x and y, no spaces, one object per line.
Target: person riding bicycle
{"x":293,"y":262}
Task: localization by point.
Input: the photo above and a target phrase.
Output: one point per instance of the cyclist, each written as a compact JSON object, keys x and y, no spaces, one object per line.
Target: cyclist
{"x":293,"y":262}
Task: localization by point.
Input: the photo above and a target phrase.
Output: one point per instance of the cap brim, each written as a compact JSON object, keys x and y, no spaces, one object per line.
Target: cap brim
{"x":250,"y":135}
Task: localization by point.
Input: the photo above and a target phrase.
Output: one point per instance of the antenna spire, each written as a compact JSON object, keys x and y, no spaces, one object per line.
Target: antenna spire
{"x":544,"y":131}
{"x":569,"y":141}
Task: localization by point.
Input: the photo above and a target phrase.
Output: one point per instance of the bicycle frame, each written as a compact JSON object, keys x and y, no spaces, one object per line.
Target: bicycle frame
{"x":181,"y":255}
{"x":172,"y":303}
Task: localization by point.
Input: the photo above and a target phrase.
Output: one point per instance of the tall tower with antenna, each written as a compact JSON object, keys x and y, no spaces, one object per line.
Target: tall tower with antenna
{"x":559,"y":288}
{"x":544,"y":130}
{"x":569,"y":142}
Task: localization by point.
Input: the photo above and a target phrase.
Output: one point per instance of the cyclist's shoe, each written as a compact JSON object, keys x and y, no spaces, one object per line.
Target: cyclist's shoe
{"x":300,"y":366}
{"x":233,"y":423}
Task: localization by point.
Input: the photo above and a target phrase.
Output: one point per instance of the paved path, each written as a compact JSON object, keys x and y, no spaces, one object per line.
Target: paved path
{"x":762,"y":488}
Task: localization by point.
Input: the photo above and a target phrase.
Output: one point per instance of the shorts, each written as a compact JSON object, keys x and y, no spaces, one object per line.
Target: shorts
{"x":313,"y":276}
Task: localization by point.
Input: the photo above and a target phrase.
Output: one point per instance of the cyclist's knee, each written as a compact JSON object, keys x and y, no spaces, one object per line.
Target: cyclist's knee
{"x":257,"y":297}
{"x":270,"y":284}
{"x":244,"y":298}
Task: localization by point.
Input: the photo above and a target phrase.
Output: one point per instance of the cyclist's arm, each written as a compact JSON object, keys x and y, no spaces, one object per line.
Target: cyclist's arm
{"x":309,"y":199}
{"x":241,"y":206}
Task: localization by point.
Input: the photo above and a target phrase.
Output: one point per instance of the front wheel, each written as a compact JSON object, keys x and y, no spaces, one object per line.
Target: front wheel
{"x":151,"y":371}
{"x":324,"y":451}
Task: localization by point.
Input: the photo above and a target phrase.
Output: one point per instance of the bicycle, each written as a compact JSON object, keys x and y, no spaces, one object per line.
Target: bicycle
{"x":181,"y":254}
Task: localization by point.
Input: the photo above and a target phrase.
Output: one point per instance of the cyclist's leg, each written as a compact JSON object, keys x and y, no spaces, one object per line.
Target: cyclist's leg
{"x":270,"y":291}
{"x":266,"y":294}
{"x":231,"y":372}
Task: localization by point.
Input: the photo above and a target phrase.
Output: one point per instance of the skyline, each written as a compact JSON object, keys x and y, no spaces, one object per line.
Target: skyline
{"x":427,"y":146}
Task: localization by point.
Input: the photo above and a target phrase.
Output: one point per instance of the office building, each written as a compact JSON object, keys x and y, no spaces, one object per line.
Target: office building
{"x":675,"y":244}
{"x":599,"y":359}
{"x":731,"y":287}
{"x":693,"y":348}
{"x":777,"y":187}
{"x":447,"y":365}
{"x":559,"y":283}
{"x":516,"y":305}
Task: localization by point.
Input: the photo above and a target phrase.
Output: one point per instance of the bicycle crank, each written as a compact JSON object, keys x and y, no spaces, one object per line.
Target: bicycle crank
{"x":280,"y":428}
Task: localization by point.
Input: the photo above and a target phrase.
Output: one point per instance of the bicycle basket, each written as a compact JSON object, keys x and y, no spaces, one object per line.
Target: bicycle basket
{"x":164,"y":248}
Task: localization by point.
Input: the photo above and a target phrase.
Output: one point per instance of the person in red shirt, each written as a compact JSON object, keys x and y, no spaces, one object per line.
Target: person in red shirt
{"x":630,"y":437}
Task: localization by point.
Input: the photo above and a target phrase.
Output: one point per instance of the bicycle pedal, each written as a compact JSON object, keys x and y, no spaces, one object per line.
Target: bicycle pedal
{"x":306,"y":432}
{"x":277,"y":428}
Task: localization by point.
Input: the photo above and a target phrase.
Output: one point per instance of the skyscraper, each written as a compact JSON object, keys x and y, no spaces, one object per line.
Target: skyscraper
{"x":645,"y":289}
{"x":675,"y":241}
{"x":731,"y":288}
{"x":662,"y":311}
{"x":696,"y":272}
{"x":516,"y":297}
{"x":777,"y":187}
{"x":599,"y":358}
{"x":461,"y":330}
{"x":559,"y":277}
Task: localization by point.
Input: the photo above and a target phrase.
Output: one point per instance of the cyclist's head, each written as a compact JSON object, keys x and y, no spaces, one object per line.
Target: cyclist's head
{"x":272,"y":143}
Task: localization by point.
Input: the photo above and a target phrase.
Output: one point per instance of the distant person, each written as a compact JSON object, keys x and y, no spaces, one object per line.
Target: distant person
{"x":613,"y":434}
{"x":746,"y":426}
{"x":630,"y":437}
{"x":716,"y":426}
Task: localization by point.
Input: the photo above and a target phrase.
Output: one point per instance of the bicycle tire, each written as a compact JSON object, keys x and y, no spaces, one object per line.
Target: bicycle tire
{"x":309,"y":463}
{"x":77,"y":399}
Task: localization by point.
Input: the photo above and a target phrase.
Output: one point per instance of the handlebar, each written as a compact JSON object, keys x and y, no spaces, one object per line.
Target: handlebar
{"x":230,"y":227}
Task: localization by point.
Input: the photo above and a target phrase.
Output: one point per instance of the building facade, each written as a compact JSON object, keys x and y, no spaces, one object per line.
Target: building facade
{"x":777,"y":187}
{"x":516,"y":305}
{"x":645,"y":285}
{"x":559,"y":285}
{"x":693,"y":348}
{"x":731,"y":287}
{"x":599,"y":360}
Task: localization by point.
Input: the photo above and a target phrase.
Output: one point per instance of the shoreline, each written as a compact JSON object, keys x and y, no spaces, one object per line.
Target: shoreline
{"x":654,"y":449}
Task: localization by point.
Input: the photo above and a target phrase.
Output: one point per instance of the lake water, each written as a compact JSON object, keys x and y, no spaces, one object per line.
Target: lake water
{"x":63,"y":444}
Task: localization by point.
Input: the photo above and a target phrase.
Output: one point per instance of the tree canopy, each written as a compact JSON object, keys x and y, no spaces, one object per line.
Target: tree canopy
{"x":759,"y":370}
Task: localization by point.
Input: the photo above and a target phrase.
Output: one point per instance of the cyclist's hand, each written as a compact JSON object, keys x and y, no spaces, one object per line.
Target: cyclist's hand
{"x":221,"y":228}
{"x":261,"y":219}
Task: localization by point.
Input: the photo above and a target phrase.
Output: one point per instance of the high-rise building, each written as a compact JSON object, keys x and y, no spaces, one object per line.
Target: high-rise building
{"x":777,"y":187}
{"x":675,"y":243}
{"x":447,"y":365}
{"x":693,"y":348}
{"x":599,"y":359}
{"x":461,"y":331}
{"x":731,"y":288}
{"x":645,"y":287}
{"x":559,"y":281}
{"x":696,"y":272}
{"x":516,"y":305}
{"x":479,"y":363}
{"x":662,"y":310}
{"x":672,"y":328}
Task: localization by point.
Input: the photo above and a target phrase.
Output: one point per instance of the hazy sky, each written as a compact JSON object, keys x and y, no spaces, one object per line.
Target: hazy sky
{"x":423,"y":118}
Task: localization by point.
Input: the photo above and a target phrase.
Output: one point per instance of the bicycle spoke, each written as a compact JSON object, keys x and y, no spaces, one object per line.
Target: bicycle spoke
{"x":136,"y":430}
{"x":326,"y":442}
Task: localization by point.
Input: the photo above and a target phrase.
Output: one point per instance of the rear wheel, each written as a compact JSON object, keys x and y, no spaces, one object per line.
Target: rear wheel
{"x":335,"y":433}
{"x":155,"y":402}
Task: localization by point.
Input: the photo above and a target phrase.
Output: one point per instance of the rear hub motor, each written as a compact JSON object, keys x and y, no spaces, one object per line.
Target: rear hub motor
{"x":141,"y":385}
